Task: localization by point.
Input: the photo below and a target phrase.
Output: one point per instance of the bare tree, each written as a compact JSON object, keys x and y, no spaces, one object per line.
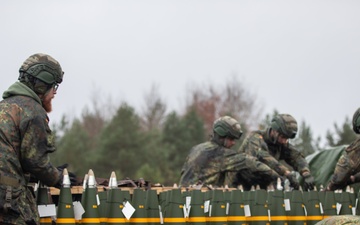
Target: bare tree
{"x":232,"y":99}
{"x":154,"y":112}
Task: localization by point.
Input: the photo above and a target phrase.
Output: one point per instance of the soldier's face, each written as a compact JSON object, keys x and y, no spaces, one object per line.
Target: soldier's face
{"x":229,"y":142}
{"x":282,"y":139}
{"x":279,"y":138}
{"x":46,"y":100}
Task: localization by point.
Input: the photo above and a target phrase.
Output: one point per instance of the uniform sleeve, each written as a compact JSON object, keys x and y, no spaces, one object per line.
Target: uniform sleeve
{"x":246,"y":168}
{"x":341,"y":174}
{"x":235,"y":162}
{"x":295,"y":159}
{"x":347,"y":165}
{"x":37,"y":143}
{"x":258,"y":148}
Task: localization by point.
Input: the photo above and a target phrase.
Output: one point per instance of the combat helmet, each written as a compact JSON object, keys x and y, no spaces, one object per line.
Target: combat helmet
{"x":356,"y":121}
{"x":285,"y":124}
{"x":227,"y":126}
{"x":41,"y":67}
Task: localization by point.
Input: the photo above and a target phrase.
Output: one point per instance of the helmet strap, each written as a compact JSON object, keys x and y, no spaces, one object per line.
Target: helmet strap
{"x":273,"y":135}
{"x":218,"y":140}
{"x":225,"y":142}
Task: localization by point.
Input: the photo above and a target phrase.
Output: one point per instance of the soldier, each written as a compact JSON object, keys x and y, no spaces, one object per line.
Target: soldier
{"x":26,"y":139}
{"x":271,"y":145}
{"x":348,"y":166}
{"x":214,"y":163}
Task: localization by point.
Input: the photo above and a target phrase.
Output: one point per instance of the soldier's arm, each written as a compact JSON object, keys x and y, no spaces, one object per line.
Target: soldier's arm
{"x":244,"y":166}
{"x":264,"y":156}
{"x":295,"y":159}
{"x":341,"y":174}
{"x":36,"y":144}
{"x":257,"y":147}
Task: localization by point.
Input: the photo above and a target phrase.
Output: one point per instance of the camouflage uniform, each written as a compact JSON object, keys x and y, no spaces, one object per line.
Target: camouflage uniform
{"x":259,"y":145}
{"x":25,"y":141}
{"x":347,"y":165}
{"x":340,"y":220}
{"x":212,"y":164}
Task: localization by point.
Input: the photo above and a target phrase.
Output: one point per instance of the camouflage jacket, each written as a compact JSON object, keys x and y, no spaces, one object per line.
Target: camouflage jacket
{"x":347,"y":165}
{"x":212,"y":164}
{"x":259,"y":145}
{"x":340,"y":220}
{"x":25,"y":141}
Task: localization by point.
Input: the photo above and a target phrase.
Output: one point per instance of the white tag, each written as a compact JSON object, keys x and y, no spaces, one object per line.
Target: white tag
{"x":187,"y":206}
{"x":305,"y":211}
{"x":185,"y":211}
{"x":188,"y":201}
{"x":47,"y":210}
{"x":321,"y":208}
{"x":97,"y":199}
{"x":161,"y":215}
{"x":78,"y":210}
{"x":36,"y":186}
{"x":227,"y":208}
{"x":206,"y":206}
{"x":128,"y":210}
{"x":338,"y":208}
{"x":247,"y":210}
{"x":269,"y":214}
{"x":287,"y":204}
{"x":210,"y":210}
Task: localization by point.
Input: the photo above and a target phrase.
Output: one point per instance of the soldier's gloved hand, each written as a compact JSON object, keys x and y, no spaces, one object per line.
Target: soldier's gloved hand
{"x":293,"y":181}
{"x":72,"y":176}
{"x":308,"y":181}
{"x":73,"y":179}
{"x":62,"y":167}
{"x":355,"y":178}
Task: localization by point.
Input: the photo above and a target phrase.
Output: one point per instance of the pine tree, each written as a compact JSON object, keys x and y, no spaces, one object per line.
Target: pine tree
{"x":304,"y":140}
{"x":343,"y":135}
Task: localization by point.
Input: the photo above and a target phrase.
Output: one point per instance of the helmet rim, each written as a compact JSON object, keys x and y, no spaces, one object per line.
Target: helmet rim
{"x":43,"y":67}
{"x":285,"y":124}
{"x":356,"y":121}
{"x":227,"y":126}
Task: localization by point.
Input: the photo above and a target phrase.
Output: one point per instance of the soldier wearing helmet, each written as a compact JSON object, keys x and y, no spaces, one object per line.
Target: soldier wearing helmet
{"x":26,"y":138}
{"x":347,"y":170}
{"x":271,"y":145}
{"x":215,"y":163}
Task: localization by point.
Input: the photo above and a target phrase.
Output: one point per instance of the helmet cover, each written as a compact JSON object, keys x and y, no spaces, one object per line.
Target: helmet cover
{"x":356,"y":121}
{"x":285,"y":124}
{"x":43,"y":67}
{"x":227,"y":126}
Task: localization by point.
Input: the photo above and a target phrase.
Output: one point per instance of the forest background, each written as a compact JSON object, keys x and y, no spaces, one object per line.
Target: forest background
{"x":153,"y":144}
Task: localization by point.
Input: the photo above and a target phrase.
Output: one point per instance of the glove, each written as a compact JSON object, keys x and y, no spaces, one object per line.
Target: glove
{"x":308,"y":181}
{"x":62,"y":167}
{"x":355,"y":178}
{"x":293,"y":181}
{"x":72,"y":176}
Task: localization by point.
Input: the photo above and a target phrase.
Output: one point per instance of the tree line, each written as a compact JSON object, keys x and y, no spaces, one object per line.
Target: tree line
{"x":153,"y":144}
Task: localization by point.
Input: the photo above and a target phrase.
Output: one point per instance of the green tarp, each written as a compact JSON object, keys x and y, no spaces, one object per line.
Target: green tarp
{"x":322,"y":164}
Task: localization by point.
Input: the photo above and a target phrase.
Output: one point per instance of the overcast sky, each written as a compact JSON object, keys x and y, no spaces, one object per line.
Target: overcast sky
{"x":299,"y":57}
